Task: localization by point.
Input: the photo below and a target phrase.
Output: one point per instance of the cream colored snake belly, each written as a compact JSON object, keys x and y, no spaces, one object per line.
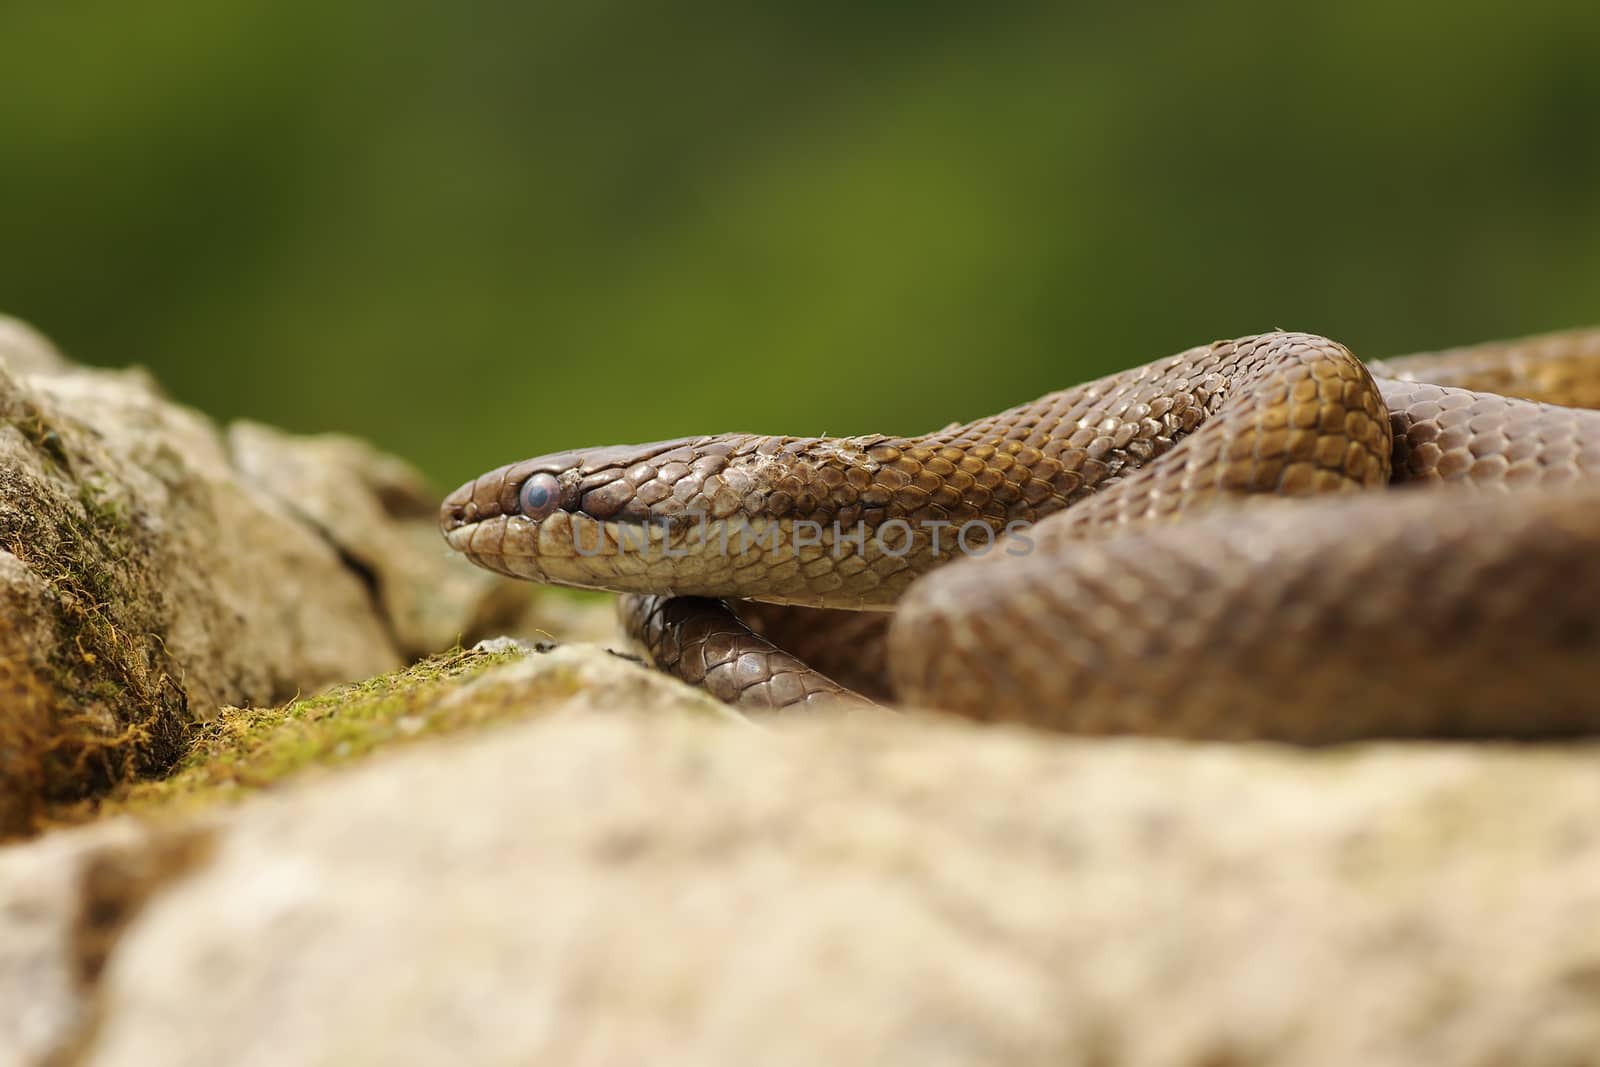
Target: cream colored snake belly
{"x":1253,"y":538}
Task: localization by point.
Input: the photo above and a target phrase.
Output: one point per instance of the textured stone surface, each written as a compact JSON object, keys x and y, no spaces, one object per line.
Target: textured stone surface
{"x":583,"y":678}
{"x":24,"y":350}
{"x":608,"y":888}
{"x":40,"y":1003}
{"x":148,"y":584}
{"x":383,"y":518}
{"x":152,"y":571}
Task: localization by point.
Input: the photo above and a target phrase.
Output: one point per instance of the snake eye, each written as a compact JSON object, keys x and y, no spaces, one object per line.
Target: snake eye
{"x":541,"y":495}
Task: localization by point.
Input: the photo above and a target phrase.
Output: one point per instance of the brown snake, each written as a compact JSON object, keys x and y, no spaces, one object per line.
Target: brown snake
{"x":1123,"y":558}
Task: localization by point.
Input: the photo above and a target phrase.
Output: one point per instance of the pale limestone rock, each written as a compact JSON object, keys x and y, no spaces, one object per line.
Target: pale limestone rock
{"x":666,"y":889}
{"x":43,"y":1003}
{"x":580,"y":679}
{"x":24,"y":350}
{"x":255,"y":606}
{"x":383,"y":517}
{"x":157,"y":585}
{"x":146,"y":583}
{"x":154,"y":570}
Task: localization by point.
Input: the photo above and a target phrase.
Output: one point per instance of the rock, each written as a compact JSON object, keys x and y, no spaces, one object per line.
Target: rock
{"x":581,"y":678}
{"x":383,"y":518}
{"x":150,"y":583}
{"x":247,"y":750}
{"x":64,"y":901}
{"x":24,"y":350}
{"x":152,"y":572}
{"x":613,"y":887}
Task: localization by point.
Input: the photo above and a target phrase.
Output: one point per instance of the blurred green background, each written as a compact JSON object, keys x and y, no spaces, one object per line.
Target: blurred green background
{"x":476,"y":232}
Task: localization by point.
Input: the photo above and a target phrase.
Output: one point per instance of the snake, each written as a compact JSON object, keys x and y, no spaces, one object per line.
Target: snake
{"x":1258,"y":538}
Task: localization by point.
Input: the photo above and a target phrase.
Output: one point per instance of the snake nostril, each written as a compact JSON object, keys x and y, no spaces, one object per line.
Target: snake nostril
{"x":456,"y":511}
{"x":465,"y":505}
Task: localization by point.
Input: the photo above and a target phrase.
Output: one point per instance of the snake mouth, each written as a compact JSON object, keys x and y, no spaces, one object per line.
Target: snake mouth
{"x":519,"y":547}
{"x":470,"y":504}
{"x":489,"y":544}
{"x":583,"y":552}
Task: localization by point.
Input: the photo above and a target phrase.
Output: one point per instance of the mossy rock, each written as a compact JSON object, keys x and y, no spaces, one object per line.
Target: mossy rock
{"x":155,"y":568}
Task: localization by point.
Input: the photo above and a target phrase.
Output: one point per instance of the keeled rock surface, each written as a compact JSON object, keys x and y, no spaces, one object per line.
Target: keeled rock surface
{"x":596,"y":888}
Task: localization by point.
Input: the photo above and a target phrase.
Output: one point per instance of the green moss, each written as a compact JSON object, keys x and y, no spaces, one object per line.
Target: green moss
{"x":37,"y":429}
{"x":117,"y":711}
{"x":246,"y":749}
{"x":101,"y":664}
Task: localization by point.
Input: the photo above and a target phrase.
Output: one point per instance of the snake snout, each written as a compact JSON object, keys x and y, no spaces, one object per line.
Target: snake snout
{"x":487,"y":496}
{"x":454,"y":511}
{"x":462,"y":508}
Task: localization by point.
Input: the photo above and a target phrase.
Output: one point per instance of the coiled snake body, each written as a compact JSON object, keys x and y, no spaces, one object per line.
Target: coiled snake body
{"x":1125,"y":556}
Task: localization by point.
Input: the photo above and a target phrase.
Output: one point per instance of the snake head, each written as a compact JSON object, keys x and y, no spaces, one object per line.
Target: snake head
{"x":532,"y":519}
{"x":703,"y":516}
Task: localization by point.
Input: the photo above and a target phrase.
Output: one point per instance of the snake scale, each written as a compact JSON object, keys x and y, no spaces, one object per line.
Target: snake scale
{"x":1255,"y":538}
